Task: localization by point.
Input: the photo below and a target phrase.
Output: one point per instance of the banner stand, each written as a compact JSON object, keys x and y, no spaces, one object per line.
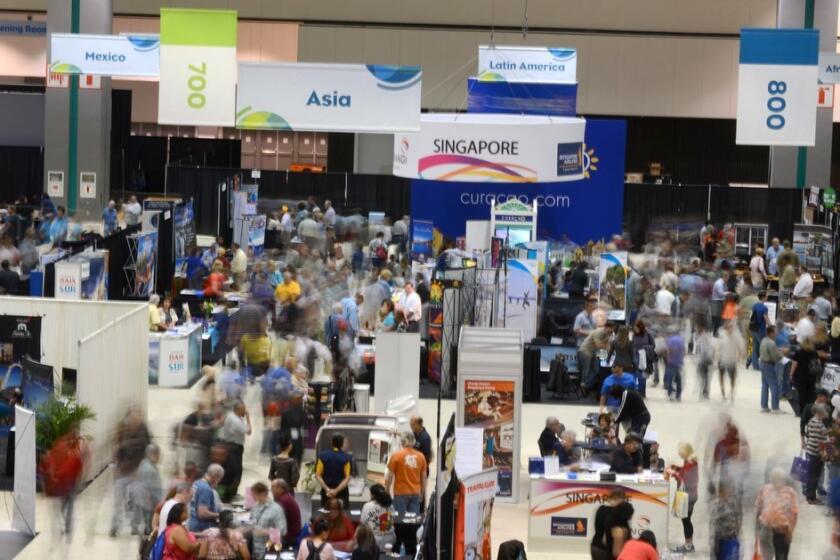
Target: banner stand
{"x":490,"y":397}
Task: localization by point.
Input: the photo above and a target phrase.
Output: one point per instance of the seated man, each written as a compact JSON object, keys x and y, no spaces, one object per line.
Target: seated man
{"x":565,"y":450}
{"x":548,"y":441}
{"x":626,"y":459}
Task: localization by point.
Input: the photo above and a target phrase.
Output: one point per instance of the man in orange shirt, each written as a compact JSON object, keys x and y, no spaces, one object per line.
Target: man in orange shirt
{"x":407,"y":473}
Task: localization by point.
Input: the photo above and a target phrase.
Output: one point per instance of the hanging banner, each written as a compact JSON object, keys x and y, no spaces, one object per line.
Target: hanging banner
{"x":829,"y":68}
{"x":473,"y":517}
{"x":328,"y":97}
{"x":777,"y":79}
{"x":256,"y":232}
{"x":197,"y":67}
{"x":492,"y":149}
{"x":68,"y":280}
{"x":185,"y":239}
{"x":490,"y":404}
{"x":144,"y":264}
{"x":521,"y":98}
{"x":435,"y":330}
{"x":527,"y":64}
{"x":519,"y":310}
{"x":105,"y":55}
{"x":612,"y":274}
{"x":564,"y":210}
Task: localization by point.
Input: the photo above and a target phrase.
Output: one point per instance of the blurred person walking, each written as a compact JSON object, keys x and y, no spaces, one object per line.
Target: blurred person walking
{"x":705,"y":351}
{"x":145,"y":491}
{"x":643,"y":343}
{"x":61,"y":469}
{"x":725,"y":519}
{"x":730,"y":350}
{"x":674,"y":358}
{"x":778,"y":510}
{"x":130,"y":441}
{"x":236,"y":426}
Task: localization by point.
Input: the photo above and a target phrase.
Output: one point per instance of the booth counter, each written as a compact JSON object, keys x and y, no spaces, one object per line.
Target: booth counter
{"x":175,"y":356}
{"x":561,"y":512}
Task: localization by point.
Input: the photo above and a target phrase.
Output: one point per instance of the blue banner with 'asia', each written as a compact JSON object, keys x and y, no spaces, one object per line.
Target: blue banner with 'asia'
{"x":589,"y":209}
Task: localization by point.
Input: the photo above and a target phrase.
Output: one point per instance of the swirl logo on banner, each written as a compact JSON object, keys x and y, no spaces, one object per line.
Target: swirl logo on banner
{"x":105,"y":55}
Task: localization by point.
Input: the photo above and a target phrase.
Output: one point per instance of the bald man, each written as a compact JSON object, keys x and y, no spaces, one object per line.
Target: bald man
{"x":285,"y":498}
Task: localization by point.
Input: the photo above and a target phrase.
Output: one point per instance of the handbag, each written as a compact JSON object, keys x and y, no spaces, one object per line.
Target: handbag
{"x":799,"y":468}
{"x":680,"y":506}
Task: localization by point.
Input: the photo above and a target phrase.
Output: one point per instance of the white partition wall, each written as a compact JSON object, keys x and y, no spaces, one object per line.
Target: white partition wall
{"x":490,"y":397}
{"x":397,"y":367}
{"x":109,"y":381}
{"x":23,"y":519}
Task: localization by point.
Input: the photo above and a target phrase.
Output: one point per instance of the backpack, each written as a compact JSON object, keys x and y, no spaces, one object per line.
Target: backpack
{"x":158,"y":547}
{"x":314,"y":553}
{"x":381,"y":253}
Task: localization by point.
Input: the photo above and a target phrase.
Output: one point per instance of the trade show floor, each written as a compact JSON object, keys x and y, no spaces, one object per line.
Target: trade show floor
{"x":774,"y":441}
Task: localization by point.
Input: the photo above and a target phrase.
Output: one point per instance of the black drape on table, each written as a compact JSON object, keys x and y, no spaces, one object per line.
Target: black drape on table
{"x":645,"y":205}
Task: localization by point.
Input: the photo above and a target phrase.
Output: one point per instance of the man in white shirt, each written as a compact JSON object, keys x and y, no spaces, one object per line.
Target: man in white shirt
{"x":183,"y":495}
{"x":132,"y":211}
{"x":664,"y":302}
{"x":329,"y":214}
{"x":237,"y":425}
{"x":805,"y":284}
{"x":412,"y":307}
{"x":805,"y":328}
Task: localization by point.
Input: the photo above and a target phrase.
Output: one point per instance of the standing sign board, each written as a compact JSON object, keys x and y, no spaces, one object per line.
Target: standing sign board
{"x":472,"y":521}
{"x":777,"y":76}
{"x":328,"y":97}
{"x":612,"y":277}
{"x":105,"y":55}
{"x":490,"y":398}
{"x":68,"y":280}
{"x":197,"y":67}
{"x":521,"y":291}
{"x":527,"y":64}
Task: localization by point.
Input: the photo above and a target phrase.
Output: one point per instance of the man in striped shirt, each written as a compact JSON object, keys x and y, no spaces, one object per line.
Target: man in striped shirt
{"x":816,"y":438}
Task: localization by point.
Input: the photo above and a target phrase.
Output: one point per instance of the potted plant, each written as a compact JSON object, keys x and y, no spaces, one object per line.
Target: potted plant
{"x":58,"y":417}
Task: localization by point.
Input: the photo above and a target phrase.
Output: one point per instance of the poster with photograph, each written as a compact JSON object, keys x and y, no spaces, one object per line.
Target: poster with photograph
{"x":490,"y":404}
{"x":422,"y":235}
{"x":612,"y":276}
{"x":256,"y":232}
{"x":185,"y":239}
{"x":472,"y":526}
{"x":144,"y":264}
{"x":435,"y":331}
{"x":519,"y":309}
{"x":20,"y":336}
{"x":37,"y":384}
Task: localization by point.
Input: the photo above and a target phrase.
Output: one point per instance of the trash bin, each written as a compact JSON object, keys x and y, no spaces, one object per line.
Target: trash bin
{"x":361,"y":394}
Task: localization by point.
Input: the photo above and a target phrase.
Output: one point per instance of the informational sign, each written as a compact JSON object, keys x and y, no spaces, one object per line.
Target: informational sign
{"x":328,"y":97}
{"x":612,"y":277}
{"x":55,"y":183}
{"x":197,"y":67}
{"x":145,"y":263}
{"x":58,"y":80}
{"x":469,"y":447}
{"x":825,"y":96}
{"x":562,"y":512}
{"x":491,"y":405}
{"x":185,"y":239}
{"x":776,"y":79}
{"x":527,"y":64}
{"x":830,"y":380}
{"x":564,"y":210}
{"x":37,"y":384}
{"x":68,"y":280}
{"x":24,"y":28}
{"x":105,"y":55}
{"x":256,"y":232}
{"x":90,"y":81}
{"x":829,"y":68}
{"x":492,"y":149}
{"x":473,"y":518}
{"x":87,"y":182}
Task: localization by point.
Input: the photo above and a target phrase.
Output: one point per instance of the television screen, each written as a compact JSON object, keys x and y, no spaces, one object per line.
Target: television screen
{"x":547,"y":353}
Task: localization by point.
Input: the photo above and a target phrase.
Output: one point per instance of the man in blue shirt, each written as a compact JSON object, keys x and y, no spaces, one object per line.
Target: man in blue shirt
{"x":332,"y":471}
{"x":618,"y":377}
{"x":203,"y":511}
{"x":58,"y":227}
{"x":758,"y":324}
{"x":772,"y":254}
{"x":350,"y":310}
{"x":109,"y":218}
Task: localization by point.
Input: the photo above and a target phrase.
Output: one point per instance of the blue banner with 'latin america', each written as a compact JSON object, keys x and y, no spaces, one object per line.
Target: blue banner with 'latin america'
{"x":521,"y":98}
{"x":580,"y":211}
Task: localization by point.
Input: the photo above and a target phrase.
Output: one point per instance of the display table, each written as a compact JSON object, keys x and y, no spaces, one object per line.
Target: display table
{"x":561,"y":512}
{"x":175,"y":356}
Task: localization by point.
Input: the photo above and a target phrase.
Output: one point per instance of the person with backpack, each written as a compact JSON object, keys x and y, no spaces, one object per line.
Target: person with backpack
{"x":224,"y":543}
{"x":378,"y":250}
{"x":178,"y":542}
{"x":316,"y":546}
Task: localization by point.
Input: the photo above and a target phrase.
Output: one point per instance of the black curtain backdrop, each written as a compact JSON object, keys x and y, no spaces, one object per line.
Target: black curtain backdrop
{"x":22,"y":169}
{"x":165,"y":266}
{"x":648,"y":204}
{"x":120,"y":137}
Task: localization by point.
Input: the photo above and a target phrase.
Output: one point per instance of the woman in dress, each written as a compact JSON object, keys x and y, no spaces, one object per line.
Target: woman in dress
{"x":179,"y":544}
{"x":284,"y":465}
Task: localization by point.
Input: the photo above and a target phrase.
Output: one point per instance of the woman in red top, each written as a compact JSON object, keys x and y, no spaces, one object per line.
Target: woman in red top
{"x":214,"y":283}
{"x":688,"y":475}
{"x":179,"y":544}
{"x":643,"y":548}
{"x":342,"y":532}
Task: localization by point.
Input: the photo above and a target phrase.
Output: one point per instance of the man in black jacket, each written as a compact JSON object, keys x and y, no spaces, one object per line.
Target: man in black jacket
{"x":631,"y":409}
{"x":9,"y":280}
{"x":549,"y":438}
{"x":627,"y":459}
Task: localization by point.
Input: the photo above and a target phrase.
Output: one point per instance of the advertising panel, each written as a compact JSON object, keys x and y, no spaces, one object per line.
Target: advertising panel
{"x":20,"y":336}
{"x":777,"y":87}
{"x":472,"y":531}
{"x":562,"y":512}
{"x":37,"y":384}
{"x":422,"y":235}
{"x":105,"y":55}
{"x":490,"y":148}
{"x":68,"y":280}
{"x":490,"y":404}
{"x":612,"y":275}
{"x":564,"y":210}
{"x":197,"y":67}
{"x":527,"y":64}
{"x":184,"y":232}
{"x":328,"y":97}
{"x":519,"y":310}
{"x":521,"y":98}
{"x":144,"y":264}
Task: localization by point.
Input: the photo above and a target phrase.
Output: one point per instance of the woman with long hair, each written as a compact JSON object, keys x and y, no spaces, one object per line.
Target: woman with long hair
{"x":317,"y":544}
{"x":366,"y":547}
{"x":378,"y":516}
{"x":224,"y":543}
{"x":688,"y":476}
{"x":617,"y":530}
{"x":179,"y":544}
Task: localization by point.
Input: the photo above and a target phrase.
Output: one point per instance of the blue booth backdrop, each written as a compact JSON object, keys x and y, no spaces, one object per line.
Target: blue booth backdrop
{"x":589,"y":209}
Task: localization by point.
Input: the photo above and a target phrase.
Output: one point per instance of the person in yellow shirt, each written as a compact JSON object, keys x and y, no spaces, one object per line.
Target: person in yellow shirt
{"x":256,"y":351}
{"x":289,"y":291}
{"x":155,"y":323}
